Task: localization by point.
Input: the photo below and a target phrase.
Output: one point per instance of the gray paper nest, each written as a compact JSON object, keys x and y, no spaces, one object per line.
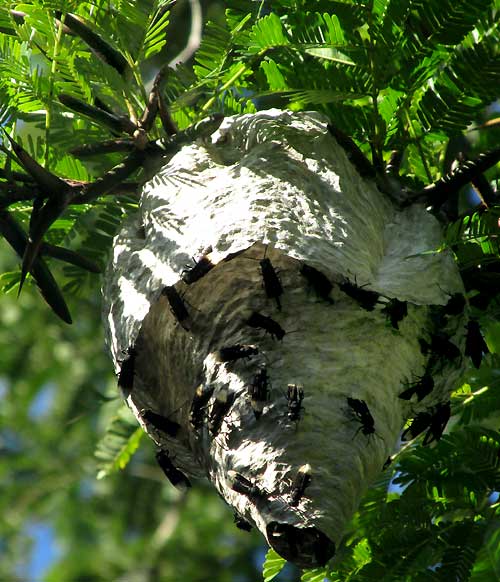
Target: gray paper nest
{"x":278,"y":361}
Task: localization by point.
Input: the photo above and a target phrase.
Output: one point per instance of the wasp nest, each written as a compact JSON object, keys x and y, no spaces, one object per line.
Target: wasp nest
{"x":284,"y":360}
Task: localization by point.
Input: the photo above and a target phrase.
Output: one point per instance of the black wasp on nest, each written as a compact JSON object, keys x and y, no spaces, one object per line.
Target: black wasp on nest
{"x":362,"y":415}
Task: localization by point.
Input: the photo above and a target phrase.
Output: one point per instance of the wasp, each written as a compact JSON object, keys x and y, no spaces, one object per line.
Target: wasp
{"x":220,"y":408}
{"x":434,"y":422}
{"x":292,"y":542}
{"x":236,"y":352}
{"x":301,"y":481}
{"x":421,"y":388}
{"x":242,"y":485}
{"x":259,"y":391}
{"x":421,"y":421}
{"x":272,"y":283}
{"x":425,"y":347}
{"x":176,"y":304}
{"x":200,"y":269}
{"x":241,"y":522}
{"x":455,"y":305}
{"x":475,"y":346}
{"x":201,"y":397}
{"x":437,"y":316}
{"x":387,"y":463}
{"x":127,"y":369}
{"x":294,"y":396}
{"x":438,"y":423}
{"x":367,"y":299}
{"x":440,"y":345}
{"x":272,"y":327}
{"x":396,"y":311}
{"x":161,"y":423}
{"x":318,"y":281}
{"x":231,"y":256}
{"x":174,"y":475}
{"x":363,"y":416}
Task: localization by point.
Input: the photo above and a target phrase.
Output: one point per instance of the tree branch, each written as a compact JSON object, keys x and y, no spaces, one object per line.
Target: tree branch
{"x":49,"y":289}
{"x":437,"y":194}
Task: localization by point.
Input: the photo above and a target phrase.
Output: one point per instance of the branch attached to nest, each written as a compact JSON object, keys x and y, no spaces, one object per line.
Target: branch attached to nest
{"x":116,"y":123}
{"x":438,"y":193}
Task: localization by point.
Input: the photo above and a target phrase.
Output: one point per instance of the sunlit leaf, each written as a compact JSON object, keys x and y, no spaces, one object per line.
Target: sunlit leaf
{"x":119,"y":443}
{"x":273,"y":564}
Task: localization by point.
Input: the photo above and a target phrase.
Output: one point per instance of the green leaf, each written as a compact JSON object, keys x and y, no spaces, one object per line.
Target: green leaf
{"x":155,"y":39}
{"x":487,"y":566}
{"x":120,"y":442}
{"x":9,"y":281}
{"x":268,"y":33}
{"x":362,"y":553}
{"x":213,"y":50}
{"x":480,"y":228}
{"x":315,"y":575}
{"x":330,"y":54}
{"x":320,"y":96}
{"x":273,"y":564}
{"x":275,"y":78}
{"x":322,"y":36}
{"x":446,"y":21}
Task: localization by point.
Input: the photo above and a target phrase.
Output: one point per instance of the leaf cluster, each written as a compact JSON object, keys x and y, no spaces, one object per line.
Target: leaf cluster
{"x":80,"y":74}
{"x":394,"y":75}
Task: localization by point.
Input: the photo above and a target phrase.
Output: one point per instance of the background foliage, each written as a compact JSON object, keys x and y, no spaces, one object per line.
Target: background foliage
{"x":418,"y":78}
